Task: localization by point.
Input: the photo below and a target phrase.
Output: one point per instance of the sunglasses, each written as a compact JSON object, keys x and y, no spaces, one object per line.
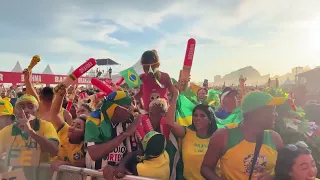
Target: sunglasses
{"x":296,"y":146}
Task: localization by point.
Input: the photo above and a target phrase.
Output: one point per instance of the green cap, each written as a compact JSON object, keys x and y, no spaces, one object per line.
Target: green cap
{"x":255,"y":100}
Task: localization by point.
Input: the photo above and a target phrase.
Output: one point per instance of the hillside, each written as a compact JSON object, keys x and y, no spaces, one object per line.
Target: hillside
{"x":253,"y":76}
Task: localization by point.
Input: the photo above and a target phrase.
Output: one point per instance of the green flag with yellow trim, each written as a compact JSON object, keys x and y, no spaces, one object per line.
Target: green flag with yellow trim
{"x":131,"y":77}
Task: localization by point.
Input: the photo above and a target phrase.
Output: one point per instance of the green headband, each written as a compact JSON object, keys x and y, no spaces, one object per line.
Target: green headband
{"x":28,"y":98}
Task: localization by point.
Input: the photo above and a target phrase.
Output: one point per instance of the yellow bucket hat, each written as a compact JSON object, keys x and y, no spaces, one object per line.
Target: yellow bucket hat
{"x":6,"y":108}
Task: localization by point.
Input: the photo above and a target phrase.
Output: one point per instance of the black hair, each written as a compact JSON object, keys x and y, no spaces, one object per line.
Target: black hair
{"x":81,"y":139}
{"x":155,"y":146}
{"x":285,"y":161}
{"x":47,"y":94}
{"x":202,"y":89}
{"x":89,"y":92}
{"x":19,"y":94}
{"x":150,"y":57}
{"x":87,"y":107}
{"x":209,"y":112}
{"x":83,"y":118}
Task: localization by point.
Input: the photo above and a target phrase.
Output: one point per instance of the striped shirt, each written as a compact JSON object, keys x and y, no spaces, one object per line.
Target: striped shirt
{"x":116,"y":156}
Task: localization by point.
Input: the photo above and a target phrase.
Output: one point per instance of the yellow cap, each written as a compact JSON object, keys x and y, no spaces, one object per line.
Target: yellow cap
{"x":6,"y":108}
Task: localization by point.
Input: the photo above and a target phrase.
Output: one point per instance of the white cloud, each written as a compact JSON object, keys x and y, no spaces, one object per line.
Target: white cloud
{"x":61,"y":31}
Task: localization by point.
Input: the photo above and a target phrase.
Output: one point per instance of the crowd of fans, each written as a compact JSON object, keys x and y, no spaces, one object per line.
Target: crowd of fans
{"x":134,"y":132}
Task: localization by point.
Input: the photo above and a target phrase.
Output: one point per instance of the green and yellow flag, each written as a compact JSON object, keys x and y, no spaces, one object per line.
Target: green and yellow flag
{"x":184,"y":110}
{"x":234,"y":117}
{"x":131,"y":77}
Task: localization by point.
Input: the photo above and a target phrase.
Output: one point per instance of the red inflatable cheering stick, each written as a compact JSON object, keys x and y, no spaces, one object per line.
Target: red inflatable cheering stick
{"x":120,"y":81}
{"x":102,"y":86}
{"x":79,"y":71}
{"x":76,"y":74}
{"x":187,"y":64}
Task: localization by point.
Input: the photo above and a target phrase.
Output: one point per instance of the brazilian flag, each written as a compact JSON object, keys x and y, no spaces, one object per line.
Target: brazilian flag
{"x":235,"y":117}
{"x":131,"y":77}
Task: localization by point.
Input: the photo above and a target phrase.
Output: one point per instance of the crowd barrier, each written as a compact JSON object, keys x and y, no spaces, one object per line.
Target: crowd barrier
{"x":43,"y":172}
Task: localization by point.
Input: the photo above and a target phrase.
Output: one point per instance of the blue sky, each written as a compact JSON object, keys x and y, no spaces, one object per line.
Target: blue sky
{"x":272,"y":36}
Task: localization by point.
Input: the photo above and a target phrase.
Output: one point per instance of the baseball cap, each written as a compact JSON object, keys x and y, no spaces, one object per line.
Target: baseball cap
{"x":6,"y":108}
{"x":255,"y":100}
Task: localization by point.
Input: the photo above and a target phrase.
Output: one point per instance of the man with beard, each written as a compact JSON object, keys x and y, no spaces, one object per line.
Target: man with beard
{"x":28,"y":134}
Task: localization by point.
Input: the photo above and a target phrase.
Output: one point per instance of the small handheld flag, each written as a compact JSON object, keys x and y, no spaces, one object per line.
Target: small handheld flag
{"x":131,"y":77}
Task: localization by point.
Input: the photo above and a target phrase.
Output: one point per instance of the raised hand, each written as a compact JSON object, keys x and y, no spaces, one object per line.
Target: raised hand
{"x":60,"y":89}
{"x":27,"y":75}
{"x":24,"y":122}
{"x":133,"y":126}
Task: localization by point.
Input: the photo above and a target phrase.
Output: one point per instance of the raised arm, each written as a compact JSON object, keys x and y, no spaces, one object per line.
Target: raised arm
{"x":175,"y":128}
{"x":217,"y":146}
{"x":97,"y":151}
{"x":29,"y":87}
{"x":172,"y":89}
{"x":59,"y":92}
{"x":67,"y":116}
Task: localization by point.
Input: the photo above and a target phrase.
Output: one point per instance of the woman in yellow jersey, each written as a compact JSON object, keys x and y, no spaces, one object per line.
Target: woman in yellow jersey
{"x":234,"y":146}
{"x":195,"y":138}
{"x":71,"y":150}
{"x":295,"y":162}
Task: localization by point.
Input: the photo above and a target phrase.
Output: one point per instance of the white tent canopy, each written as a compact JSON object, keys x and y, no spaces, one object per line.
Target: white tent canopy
{"x":71,"y":70}
{"x":17,"y":67}
{"x":47,"y":70}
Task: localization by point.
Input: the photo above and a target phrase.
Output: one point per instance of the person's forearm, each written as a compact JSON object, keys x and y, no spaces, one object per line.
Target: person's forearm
{"x":208,"y":174}
{"x":55,"y":111}
{"x":31,"y":90}
{"x":129,"y":157}
{"x":46,"y":145}
{"x":97,"y":151}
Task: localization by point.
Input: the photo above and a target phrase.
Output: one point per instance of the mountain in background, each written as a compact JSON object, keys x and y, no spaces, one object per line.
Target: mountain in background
{"x":254,"y":77}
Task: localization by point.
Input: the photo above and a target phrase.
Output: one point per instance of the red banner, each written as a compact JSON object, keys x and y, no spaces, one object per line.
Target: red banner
{"x":18,"y":78}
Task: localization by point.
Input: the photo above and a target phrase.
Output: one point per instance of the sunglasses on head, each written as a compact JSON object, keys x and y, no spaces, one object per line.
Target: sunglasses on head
{"x":296,"y":146}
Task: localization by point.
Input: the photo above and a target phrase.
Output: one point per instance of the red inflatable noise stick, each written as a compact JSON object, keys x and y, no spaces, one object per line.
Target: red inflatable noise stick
{"x":83,"y":95}
{"x":140,"y":132}
{"x":86,"y":66}
{"x":69,"y":105}
{"x":164,"y":128}
{"x":100,"y":85}
{"x":120,"y":81}
{"x":146,"y":127}
{"x":101,"y":95}
{"x":110,"y":83}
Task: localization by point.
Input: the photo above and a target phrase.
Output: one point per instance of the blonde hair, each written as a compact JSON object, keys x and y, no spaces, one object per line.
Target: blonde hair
{"x":159,"y":102}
